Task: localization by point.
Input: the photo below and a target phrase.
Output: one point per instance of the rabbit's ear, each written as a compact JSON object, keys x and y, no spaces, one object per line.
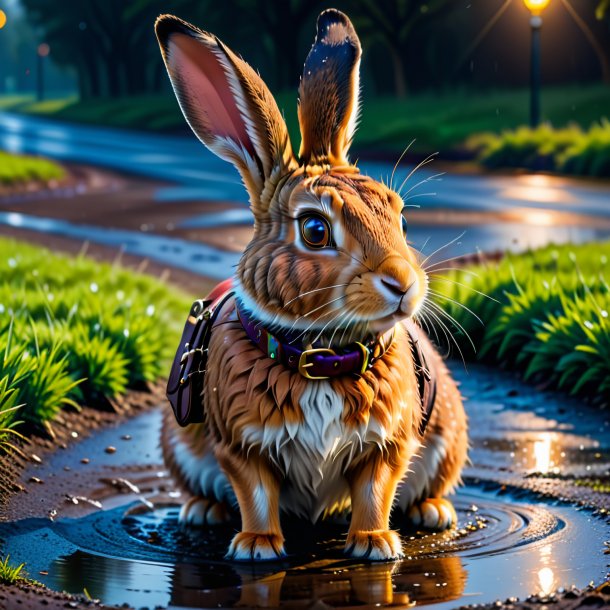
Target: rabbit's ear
{"x":329,"y":91}
{"x":226,"y":104}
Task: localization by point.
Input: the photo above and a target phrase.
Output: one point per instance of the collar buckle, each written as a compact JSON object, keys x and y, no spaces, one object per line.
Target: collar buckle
{"x":304,"y":365}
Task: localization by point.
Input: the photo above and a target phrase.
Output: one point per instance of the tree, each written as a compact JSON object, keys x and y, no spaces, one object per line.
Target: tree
{"x":392,"y":22}
{"x":110,"y":43}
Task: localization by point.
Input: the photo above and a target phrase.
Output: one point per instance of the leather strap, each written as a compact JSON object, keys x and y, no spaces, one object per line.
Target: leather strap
{"x":425,"y":373}
{"x":185,"y":384}
{"x":315,"y":363}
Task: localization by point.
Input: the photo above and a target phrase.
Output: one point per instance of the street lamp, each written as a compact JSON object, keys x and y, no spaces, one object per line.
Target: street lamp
{"x":535,"y":7}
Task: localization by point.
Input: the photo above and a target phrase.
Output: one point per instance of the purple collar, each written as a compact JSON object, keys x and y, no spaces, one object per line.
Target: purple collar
{"x":316,"y":363}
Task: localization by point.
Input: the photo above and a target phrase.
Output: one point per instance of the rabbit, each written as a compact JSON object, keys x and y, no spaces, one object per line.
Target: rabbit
{"x":328,"y":265}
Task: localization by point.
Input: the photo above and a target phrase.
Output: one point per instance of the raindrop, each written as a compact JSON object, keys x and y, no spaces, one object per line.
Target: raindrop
{"x":150,"y":310}
{"x":93,"y":287}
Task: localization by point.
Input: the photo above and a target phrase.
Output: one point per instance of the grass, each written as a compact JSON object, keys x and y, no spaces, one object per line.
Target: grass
{"x":570,"y":150}
{"x":20,"y":169}
{"x":74,"y":331}
{"x":437,"y":121}
{"x":545,"y":313}
{"x":9,"y":574}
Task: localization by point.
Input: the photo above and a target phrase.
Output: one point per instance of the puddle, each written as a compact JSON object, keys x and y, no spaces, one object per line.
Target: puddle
{"x":142,"y":557}
{"x":133,"y":551}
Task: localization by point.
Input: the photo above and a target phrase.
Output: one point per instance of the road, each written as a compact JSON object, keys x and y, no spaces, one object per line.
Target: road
{"x":494,"y":211}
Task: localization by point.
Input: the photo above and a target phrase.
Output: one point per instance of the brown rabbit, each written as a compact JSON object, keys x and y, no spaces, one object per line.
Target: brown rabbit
{"x":312,"y":399}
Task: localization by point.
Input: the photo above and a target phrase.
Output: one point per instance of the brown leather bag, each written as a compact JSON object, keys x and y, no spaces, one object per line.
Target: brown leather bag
{"x":187,"y":375}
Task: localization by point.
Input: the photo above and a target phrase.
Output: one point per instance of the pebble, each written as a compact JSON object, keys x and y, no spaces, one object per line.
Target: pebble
{"x":110,"y":449}
{"x":126,"y":437}
{"x":35,"y":458}
{"x":84,"y":461}
{"x":36,"y":480}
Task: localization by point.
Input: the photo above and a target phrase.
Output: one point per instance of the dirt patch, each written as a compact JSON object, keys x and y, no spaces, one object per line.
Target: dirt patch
{"x":33,"y":597}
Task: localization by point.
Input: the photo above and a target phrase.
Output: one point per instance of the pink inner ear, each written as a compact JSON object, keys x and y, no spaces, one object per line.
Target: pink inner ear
{"x":202,"y":81}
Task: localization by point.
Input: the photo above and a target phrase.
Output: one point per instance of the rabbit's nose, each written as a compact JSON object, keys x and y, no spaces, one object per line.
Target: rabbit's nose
{"x":396,"y":275}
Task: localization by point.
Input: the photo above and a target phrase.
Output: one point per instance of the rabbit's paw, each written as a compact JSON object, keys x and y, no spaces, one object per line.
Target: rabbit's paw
{"x":247,"y":546}
{"x":436,"y":514}
{"x":377,"y":545}
{"x":199,"y":511}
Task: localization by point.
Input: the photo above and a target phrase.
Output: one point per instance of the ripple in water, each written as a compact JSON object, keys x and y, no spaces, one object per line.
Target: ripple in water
{"x":142,"y":557}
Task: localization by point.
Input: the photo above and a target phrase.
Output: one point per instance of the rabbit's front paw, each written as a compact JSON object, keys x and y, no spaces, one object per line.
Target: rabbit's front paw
{"x":377,"y":545}
{"x":199,"y":511}
{"x":436,"y":514}
{"x":247,"y":546}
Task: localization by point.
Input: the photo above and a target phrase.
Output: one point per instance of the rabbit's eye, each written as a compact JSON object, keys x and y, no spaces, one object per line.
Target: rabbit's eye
{"x":315,"y":231}
{"x":404,"y":226}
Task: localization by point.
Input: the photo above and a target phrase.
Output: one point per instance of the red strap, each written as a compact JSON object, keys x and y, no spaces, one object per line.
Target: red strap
{"x":219,"y":290}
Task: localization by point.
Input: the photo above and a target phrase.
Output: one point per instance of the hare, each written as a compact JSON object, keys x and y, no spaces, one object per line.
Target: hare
{"x":312,"y":398}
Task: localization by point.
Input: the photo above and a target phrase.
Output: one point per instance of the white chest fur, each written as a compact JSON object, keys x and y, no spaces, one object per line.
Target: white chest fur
{"x":313,"y":454}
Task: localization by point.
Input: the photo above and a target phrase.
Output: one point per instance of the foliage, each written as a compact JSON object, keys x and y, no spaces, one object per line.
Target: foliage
{"x":546,"y":315}
{"x":10,"y":575}
{"x":73,"y":331}
{"x":570,"y":150}
{"x":19,"y":169}
{"x":438,"y":122}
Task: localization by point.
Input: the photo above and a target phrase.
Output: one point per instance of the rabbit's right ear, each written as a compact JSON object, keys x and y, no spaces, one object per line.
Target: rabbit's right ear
{"x":227,"y":105}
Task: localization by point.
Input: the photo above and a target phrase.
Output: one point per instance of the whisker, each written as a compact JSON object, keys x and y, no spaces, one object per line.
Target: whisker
{"x":436,"y":177}
{"x":421,"y":164}
{"x":450,"y":335}
{"x":443,"y":247}
{"x":442,"y":296}
{"x":344,"y":316}
{"x":404,"y":152}
{"x":419,"y":195}
{"x":323,"y":305}
{"x":440,"y":278}
{"x":460,"y":269}
{"x":300,"y":296}
{"x":449,"y":317}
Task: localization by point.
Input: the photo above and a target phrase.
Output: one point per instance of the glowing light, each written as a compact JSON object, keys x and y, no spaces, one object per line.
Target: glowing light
{"x":542,"y":453}
{"x":2,"y":19}
{"x":536,"y":6}
{"x":541,"y":219}
{"x":546,"y":580}
{"x":538,"y":193}
{"x":43,"y":49}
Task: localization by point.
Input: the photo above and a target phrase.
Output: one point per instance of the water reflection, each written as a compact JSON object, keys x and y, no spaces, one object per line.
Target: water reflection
{"x":546,"y":578}
{"x":542,"y":453}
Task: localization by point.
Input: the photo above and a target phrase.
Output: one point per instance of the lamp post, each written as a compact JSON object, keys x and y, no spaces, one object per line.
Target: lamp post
{"x":42,"y":51}
{"x":536,"y":7}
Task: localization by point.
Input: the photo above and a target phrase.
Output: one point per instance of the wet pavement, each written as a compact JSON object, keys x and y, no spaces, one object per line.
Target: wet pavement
{"x":459,"y":212}
{"x":114,"y":525}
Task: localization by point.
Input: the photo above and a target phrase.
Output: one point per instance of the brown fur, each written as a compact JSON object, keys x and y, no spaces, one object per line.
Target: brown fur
{"x":358,"y":288}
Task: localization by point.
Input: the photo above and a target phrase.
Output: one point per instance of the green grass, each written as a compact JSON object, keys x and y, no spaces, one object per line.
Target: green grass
{"x":546,"y":314}
{"x":20,"y":169}
{"x":9,"y":574}
{"x":438,"y":121}
{"x":73,"y":331}
{"x":570,"y":150}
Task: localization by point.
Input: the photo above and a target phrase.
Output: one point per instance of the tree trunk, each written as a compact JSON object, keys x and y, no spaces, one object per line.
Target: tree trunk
{"x":400,"y":82}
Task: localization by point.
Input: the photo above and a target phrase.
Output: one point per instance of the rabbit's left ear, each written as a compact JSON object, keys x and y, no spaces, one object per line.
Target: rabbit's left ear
{"x":329,"y":92}
{"x":227,"y":105}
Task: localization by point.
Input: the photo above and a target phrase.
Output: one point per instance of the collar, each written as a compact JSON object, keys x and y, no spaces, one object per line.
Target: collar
{"x":316,"y":363}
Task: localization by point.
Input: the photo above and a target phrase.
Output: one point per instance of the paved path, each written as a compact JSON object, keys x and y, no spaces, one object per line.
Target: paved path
{"x":540,"y":209}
